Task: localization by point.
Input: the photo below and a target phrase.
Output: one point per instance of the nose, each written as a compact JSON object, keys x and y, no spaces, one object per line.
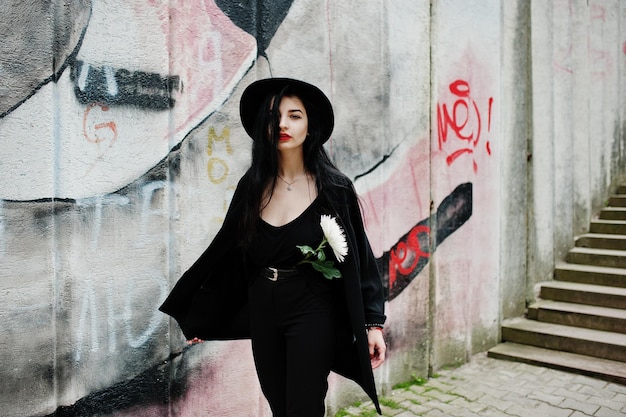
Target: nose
{"x":282,"y":123}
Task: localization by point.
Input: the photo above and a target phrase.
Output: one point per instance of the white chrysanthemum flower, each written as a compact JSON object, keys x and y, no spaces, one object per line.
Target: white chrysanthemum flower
{"x":335,"y":236}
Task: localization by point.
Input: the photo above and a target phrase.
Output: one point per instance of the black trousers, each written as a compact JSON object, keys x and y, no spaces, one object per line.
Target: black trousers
{"x":293,"y":340}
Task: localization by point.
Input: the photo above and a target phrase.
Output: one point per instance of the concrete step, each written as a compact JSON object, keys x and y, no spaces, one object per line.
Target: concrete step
{"x":589,"y":342}
{"x":579,"y":315}
{"x":613,"y":213}
{"x":588,"y":274}
{"x":598,"y":257}
{"x":589,"y":294}
{"x":621,"y":189}
{"x":604,"y":369}
{"x":601,"y":241}
{"x":617,"y":200}
{"x":617,"y":227}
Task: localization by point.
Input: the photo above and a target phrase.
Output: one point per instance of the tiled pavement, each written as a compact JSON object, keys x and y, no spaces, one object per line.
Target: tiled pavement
{"x":486,"y":387}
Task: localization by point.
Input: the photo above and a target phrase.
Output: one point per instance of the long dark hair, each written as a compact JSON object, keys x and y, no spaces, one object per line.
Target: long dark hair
{"x":264,"y":168}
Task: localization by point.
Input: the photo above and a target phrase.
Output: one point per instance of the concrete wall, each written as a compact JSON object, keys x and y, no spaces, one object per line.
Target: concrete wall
{"x":576,"y":156}
{"x":481,"y":135}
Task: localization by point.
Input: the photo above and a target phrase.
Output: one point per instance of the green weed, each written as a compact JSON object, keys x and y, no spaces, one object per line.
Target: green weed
{"x":389,"y":403}
{"x":415,"y":380}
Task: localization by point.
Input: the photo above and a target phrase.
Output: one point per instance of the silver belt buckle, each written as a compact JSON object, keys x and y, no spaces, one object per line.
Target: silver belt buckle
{"x":275,"y":274}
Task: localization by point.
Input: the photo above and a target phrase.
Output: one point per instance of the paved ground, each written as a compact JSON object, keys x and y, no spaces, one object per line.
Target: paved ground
{"x":488,"y":387}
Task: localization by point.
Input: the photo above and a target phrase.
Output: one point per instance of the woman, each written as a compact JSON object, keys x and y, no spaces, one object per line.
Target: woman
{"x":291,"y":268}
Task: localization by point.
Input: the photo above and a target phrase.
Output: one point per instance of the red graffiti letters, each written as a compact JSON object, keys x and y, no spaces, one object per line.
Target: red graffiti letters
{"x":404,"y":257}
{"x":464,"y":121}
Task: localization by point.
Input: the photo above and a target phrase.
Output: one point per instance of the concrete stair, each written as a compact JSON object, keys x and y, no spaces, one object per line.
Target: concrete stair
{"x":579,"y":315}
{"x":581,"y":364}
{"x":578,"y":323}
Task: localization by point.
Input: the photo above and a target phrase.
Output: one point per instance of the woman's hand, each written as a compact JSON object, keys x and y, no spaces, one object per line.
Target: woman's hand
{"x":377,"y":347}
{"x":194,"y":341}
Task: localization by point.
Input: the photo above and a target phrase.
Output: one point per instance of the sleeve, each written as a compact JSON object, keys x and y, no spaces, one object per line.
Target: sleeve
{"x":370,"y":277}
{"x":216,"y":271}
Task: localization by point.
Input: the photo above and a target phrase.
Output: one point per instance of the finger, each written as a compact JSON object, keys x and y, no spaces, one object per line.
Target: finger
{"x":378,"y":358}
{"x":381,"y":355}
{"x":376,"y":361}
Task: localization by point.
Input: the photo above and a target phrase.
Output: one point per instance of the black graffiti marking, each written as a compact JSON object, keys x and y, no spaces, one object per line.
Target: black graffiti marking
{"x":377,"y":164}
{"x":260,"y":19}
{"x":111,"y":86}
{"x":158,"y":384}
{"x":451,"y":214}
{"x":27,"y":59}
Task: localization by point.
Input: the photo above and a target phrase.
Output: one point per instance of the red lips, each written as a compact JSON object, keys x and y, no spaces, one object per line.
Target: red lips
{"x":284,"y":136}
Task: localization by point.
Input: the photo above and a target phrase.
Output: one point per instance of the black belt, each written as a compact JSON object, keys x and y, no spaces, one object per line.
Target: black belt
{"x":275,"y":274}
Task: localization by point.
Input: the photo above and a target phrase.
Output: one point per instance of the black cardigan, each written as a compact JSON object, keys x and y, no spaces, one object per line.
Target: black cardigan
{"x":210,"y":299}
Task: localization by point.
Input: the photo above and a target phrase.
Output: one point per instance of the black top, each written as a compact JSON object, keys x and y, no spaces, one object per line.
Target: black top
{"x":276,"y":246}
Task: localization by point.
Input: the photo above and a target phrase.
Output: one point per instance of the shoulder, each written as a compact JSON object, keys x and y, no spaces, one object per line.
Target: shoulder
{"x":243,"y":186}
{"x":338,"y":184}
{"x":341,"y":195}
{"x":342,"y":179}
{"x":245,"y":180}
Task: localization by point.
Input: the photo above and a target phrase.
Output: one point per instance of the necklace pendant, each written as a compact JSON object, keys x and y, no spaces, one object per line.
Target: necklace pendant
{"x":292,"y":182}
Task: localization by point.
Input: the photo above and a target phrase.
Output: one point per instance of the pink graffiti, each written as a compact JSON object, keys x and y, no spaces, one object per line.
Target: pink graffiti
{"x":465,"y":121}
{"x":208,"y":52}
{"x":598,"y":12}
{"x":601,"y":62}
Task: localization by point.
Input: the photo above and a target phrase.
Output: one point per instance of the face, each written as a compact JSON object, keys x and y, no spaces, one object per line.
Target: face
{"x":293,"y":123}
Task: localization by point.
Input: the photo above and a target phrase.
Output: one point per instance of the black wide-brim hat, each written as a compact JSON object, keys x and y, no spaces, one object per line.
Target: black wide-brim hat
{"x":255,"y":94}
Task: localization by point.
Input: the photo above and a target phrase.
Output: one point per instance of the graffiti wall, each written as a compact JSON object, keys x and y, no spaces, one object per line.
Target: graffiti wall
{"x":465,"y":142}
{"x":123,"y":147}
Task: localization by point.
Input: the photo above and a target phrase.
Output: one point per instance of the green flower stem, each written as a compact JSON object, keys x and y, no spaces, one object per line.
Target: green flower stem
{"x":317,"y":251}
{"x":320,"y":263}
